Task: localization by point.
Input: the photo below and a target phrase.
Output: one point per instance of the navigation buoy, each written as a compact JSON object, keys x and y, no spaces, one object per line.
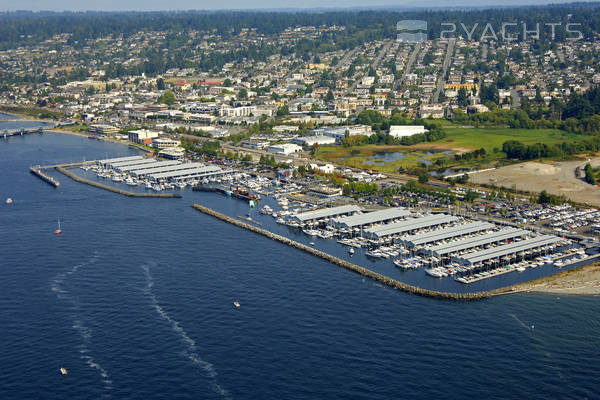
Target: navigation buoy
{"x":63,"y":371}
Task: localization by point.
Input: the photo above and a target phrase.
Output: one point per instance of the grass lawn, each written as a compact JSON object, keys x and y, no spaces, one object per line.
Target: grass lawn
{"x":490,"y":138}
{"x":457,"y":139}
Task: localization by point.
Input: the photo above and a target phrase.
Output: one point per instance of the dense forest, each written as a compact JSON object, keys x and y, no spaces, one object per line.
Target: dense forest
{"x":22,"y":28}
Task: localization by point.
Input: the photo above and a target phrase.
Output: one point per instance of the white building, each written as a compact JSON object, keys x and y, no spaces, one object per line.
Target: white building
{"x":312,"y":140}
{"x":163,"y":143}
{"x":398,"y":131}
{"x":285,"y":148}
{"x":142,"y":136}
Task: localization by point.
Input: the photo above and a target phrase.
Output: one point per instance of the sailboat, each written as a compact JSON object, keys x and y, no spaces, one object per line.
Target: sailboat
{"x":58,"y":231}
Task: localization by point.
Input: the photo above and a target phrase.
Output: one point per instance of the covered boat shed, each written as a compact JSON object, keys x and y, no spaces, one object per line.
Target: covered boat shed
{"x":373,"y":217}
{"x":323,"y":213}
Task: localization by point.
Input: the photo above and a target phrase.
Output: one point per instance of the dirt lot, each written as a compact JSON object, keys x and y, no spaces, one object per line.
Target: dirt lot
{"x":557,"y":178}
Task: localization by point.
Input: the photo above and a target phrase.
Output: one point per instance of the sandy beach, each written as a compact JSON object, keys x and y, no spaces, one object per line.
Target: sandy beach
{"x":579,"y":281}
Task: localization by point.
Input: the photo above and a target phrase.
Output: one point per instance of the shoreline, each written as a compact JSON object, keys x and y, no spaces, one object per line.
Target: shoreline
{"x":580,"y":281}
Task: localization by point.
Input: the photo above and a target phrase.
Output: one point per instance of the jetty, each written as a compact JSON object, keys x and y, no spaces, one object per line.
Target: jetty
{"x":37,"y":171}
{"x":393,"y":283}
{"x":113,"y":189}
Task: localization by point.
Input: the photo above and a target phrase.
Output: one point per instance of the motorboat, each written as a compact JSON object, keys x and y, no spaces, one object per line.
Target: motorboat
{"x":58,"y":231}
{"x":236,"y":304}
{"x":9,"y":201}
{"x":63,"y":371}
{"x":351,"y":250}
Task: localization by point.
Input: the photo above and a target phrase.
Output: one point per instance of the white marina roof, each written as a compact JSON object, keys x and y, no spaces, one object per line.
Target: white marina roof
{"x":136,"y":169}
{"x":370,"y":217}
{"x":325,"y":213}
{"x":446,"y":233}
{"x":476,"y":241}
{"x":111,"y":160}
{"x":409,"y":224}
{"x":187,"y":173}
{"x":509,"y":249}
{"x":117,"y":165}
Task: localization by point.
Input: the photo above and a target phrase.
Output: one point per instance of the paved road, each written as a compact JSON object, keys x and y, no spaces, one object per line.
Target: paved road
{"x":347,"y":57}
{"x":447,"y":61}
{"x":375,"y":64}
{"x":409,"y":63}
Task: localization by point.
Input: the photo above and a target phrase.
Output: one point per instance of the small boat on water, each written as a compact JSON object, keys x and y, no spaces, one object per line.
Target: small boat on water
{"x":58,"y":231}
{"x":9,"y":201}
{"x":236,"y":304}
{"x":63,"y":371}
{"x":351,"y":250}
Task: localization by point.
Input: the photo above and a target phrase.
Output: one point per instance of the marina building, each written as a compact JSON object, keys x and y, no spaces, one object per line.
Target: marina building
{"x":107,"y":161}
{"x":480,"y":241}
{"x":510,"y":250}
{"x":323,"y":213}
{"x":374,"y":217}
{"x":409,"y":225}
{"x":439,"y":235}
{"x":165,"y":166}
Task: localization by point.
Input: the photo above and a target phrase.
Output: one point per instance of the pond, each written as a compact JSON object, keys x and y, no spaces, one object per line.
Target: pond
{"x":383,"y":158}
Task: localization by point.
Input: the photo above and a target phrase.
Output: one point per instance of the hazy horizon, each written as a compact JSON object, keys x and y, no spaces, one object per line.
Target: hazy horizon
{"x":182,"y":5}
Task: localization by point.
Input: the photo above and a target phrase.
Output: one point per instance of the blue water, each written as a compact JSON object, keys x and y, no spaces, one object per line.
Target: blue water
{"x":135,"y":300}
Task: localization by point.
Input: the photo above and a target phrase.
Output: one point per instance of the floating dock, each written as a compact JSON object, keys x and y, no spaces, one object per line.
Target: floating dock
{"x":37,"y":171}
{"x":353,"y":267}
{"x":113,"y":189}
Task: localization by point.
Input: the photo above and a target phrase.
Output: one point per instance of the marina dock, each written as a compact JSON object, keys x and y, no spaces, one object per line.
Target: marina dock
{"x":113,"y":189}
{"x":350,"y":266}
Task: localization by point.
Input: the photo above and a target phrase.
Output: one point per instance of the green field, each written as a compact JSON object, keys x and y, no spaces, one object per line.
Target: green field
{"x":490,"y":138}
{"x":458,"y":140}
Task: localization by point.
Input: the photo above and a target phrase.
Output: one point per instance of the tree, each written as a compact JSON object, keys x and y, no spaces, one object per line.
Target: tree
{"x":463,"y":99}
{"x":283,"y":110}
{"x":330,"y":96}
{"x":242,"y":94}
{"x":160,"y":84}
{"x":167,"y":97}
{"x":423,"y":178}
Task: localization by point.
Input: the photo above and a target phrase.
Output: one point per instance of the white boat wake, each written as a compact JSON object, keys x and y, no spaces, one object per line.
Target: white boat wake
{"x":192,"y":350}
{"x":57,"y":286}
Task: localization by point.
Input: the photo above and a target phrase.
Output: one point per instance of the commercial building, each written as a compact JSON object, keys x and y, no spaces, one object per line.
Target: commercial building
{"x":398,"y":131}
{"x":163,"y":143}
{"x":103,"y":130}
{"x":172,"y":153}
{"x":142,"y":136}
{"x":284,"y":148}
{"x":312,"y":140}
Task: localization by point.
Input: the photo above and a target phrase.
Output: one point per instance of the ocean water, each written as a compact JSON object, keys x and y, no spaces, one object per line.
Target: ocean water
{"x":135,"y":300}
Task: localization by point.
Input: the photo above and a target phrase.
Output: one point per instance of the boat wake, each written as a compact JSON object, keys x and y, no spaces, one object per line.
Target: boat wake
{"x":529,"y":328}
{"x":191,"y":348}
{"x":58,"y":287}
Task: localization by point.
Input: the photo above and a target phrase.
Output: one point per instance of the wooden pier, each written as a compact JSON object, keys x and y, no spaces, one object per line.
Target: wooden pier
{"x":353,"y":267}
